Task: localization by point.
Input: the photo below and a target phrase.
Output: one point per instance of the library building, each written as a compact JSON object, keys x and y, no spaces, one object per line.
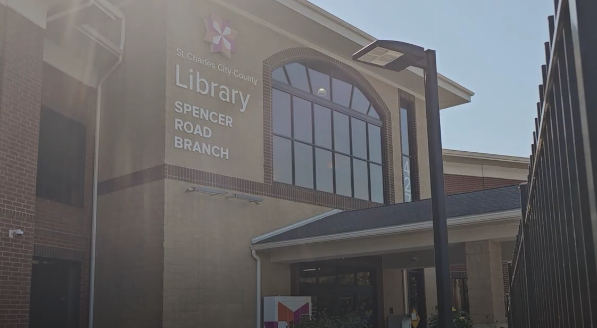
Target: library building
{"x":225,"y":163}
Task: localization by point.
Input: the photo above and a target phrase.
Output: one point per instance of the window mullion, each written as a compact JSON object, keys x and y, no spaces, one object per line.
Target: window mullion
{"x":351,"y":158}
{"x":292,"y":137}
{"x":368,"y":163}
{"x":333,"y":153}
{"x":313,"y":145}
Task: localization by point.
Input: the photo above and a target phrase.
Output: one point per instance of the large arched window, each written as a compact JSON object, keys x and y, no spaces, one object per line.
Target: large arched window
{"x":327,"y":135}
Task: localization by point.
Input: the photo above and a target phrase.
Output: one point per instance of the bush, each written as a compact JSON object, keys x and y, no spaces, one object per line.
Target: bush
{"x":461,"y":319}
{"x":350,"y":320}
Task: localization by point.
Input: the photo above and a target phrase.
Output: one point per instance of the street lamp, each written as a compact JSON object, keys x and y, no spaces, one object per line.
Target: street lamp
{"x":397,"y":56}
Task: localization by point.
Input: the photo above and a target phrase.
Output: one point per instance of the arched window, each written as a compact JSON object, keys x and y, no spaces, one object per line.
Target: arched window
{"x":327,"y":135}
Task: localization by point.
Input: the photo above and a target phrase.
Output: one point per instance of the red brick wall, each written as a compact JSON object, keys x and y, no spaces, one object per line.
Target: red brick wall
{"x":456,"y":184}
{"x":21,"y":57}
{"x":60,"y":227}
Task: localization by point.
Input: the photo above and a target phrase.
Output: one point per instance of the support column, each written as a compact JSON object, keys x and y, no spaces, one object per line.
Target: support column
{"x":21,"y":58}
{"x":485,"y":283}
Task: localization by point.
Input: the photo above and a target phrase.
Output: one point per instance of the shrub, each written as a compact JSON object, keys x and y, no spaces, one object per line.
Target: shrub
{"x":350,"y":320}
{"x":461,"y":319}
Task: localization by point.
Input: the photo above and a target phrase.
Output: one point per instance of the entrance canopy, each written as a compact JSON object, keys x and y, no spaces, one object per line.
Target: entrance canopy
{"x":491,"y":214}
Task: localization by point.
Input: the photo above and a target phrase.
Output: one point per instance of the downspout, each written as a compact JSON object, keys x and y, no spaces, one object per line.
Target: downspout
{"x":98,"y":115}
{"x":258,"y":293}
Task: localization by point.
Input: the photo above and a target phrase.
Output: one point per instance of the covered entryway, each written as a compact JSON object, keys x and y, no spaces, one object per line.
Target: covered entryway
{"x":481,"y":225}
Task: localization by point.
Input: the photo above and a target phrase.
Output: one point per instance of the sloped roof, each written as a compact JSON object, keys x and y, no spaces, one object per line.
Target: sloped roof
{"x":459,"y":205}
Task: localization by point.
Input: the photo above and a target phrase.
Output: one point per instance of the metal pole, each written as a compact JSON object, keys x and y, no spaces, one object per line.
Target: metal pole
{"x":438,"y":197}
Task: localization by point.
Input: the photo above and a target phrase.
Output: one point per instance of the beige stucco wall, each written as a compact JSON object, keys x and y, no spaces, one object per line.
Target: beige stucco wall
{"x":130,"y":257}
{"x":209,"y":274}
{"x":132,"y":130}
{"x":254,"y":43}
{"x":393,"y":291}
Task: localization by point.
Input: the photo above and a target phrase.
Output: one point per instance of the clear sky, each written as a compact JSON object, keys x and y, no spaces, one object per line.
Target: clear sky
{"x":492,"y":47}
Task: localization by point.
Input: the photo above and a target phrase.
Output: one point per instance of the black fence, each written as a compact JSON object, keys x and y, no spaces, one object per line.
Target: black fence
{"x":554,"y":268}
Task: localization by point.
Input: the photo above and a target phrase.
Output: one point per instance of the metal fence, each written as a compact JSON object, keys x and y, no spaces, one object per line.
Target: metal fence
{"x":553,"y":274}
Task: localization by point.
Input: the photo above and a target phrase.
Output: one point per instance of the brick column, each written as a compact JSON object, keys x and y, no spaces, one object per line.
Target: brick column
{"x":485,"y":282}
{"x":21,"y":56}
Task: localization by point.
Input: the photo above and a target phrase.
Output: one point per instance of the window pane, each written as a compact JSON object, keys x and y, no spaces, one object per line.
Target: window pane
{"x":361,"y":179}
{"x":282,"y":160}
{"x":346,"y":279}
{"x":281,"y":112}
{"x":343,"y":181}
{"x":323,"y":126}
{"x":373,"y":112}
{"x":303,"y":165}
{"x":406,"y":179}
{"x":323,"y":170}
{"x":359,"y":101}
{"x":303,"y":127}
{"x":341,"y":92}
{"x":279,"y":75}
{"x":404,"y":135}
{"x":341,"y":133}
{"x":374,"y":143}
{"x":298,"y":76}
{"x":359,"y":138}
{"x":376,"y":183}
{"x":320,"y":83}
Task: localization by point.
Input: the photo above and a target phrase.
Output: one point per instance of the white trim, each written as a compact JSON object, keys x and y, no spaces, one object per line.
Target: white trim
{"x":509,"y":215}
{"x":362,"y":38}
{"x":33,"y":10}
{"x":69,"y":64}
{"x":328,"y":20}
{"x":484,"y":156}
{"x":293,"y":226}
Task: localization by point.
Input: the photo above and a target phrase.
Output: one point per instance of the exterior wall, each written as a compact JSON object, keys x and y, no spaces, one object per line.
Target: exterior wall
{"x":393,"y":292}
{"x":63,"y":231}
{"x":422,"y":150}
{"x":209,"y":273}
{"x":130,"y":257}
{"x":133,"y":98}
{"x":21,"y":53}
{"x":456,"y":184}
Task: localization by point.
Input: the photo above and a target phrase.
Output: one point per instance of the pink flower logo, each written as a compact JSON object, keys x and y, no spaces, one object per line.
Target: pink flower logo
{"x":220,"y":35}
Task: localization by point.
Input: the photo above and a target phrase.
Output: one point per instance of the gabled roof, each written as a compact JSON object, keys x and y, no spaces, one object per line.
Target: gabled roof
{"x":459,"y":205}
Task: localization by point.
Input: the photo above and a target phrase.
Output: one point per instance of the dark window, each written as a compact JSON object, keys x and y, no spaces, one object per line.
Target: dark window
{"x":323,"y":126}
{"x":303,"y":165}
{"x":323,"y":170}
{"x":282,"y":160}
{"x":408,"y":150}
{"x":359,"y":101}
{"x":298,"y":76}
{"x":61,"y":159}
{"x":326,"y":132}
{"x":302,"y":120}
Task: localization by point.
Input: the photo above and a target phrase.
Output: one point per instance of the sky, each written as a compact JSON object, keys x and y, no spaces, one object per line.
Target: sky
{"x":492,"y":47}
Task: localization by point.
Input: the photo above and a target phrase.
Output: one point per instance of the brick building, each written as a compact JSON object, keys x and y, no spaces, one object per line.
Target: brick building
{"x":207,"y":108}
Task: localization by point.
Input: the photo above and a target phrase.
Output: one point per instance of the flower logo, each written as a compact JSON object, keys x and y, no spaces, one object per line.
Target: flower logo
{"x":220,"y":35}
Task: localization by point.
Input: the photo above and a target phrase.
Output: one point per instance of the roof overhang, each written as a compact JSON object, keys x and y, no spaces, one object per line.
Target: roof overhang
{"x":503,"y":217}
{"x":340,"y":40}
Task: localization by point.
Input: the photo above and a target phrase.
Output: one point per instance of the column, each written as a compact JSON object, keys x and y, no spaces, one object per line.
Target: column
{"x":485,"y":283}
{"x":21,"y":58}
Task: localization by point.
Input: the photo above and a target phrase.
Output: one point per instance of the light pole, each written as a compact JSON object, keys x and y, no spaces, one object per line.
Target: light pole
{"x":397,"y":56}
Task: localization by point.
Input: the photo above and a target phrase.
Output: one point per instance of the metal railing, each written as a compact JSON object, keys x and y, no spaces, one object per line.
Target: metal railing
{"x":554,"y":272}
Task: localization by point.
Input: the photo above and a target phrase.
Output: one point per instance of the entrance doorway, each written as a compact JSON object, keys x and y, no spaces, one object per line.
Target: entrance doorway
{"x":416,"y":294}
{"x":338,"y":287}
{"x":55,"y":289}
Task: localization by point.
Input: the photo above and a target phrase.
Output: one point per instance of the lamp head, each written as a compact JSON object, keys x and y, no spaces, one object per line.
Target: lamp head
{"x":392,"y":55}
